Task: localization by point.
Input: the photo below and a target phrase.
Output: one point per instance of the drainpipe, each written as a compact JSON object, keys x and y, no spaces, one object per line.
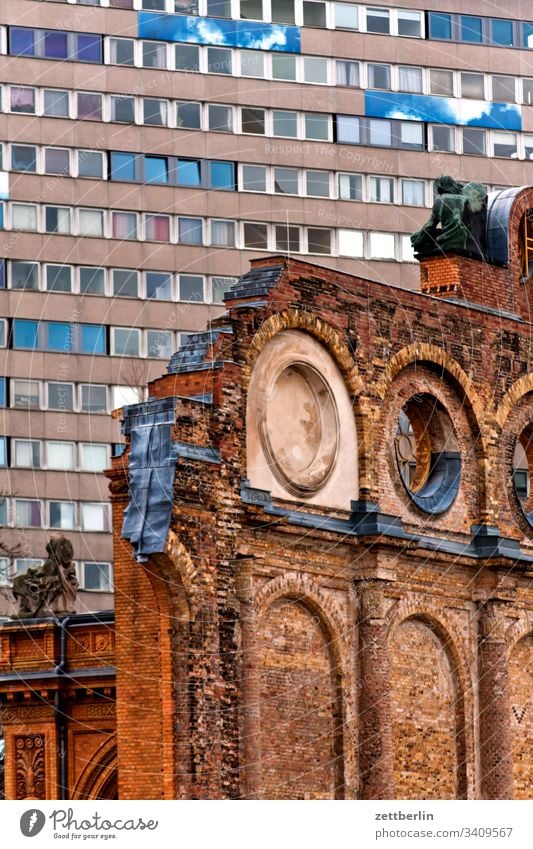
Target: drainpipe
{"x":60,"y":670}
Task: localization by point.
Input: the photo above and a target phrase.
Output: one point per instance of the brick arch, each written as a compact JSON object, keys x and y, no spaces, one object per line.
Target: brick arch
{"x":182,"y":561}
{"x":99,"y":777}
{"x":519,"y":638}
{"x":519,"y":389}
{"x":517,"y":631}
{"x":515,"y":414}
{"x":434,"y":619}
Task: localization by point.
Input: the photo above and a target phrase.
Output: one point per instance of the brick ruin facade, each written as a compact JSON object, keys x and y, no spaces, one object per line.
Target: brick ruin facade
{"x":296,"y":618}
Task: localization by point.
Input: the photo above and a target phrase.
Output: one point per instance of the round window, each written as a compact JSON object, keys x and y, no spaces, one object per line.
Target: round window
{"x":523,"y":456}
{"x":427,"y":455}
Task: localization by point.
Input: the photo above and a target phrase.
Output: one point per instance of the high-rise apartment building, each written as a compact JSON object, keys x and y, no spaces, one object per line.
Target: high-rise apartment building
{"x":150,"y":148}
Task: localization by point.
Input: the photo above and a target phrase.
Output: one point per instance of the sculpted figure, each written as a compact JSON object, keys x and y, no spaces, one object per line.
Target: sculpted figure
{"x":457,"y":220}
{"x":49,"y":589}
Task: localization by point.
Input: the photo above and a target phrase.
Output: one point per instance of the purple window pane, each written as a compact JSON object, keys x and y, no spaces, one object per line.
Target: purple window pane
{"x":90,"y":106}
{"x":55,"y":45}
{"x":89,"y":48}
{"x":21,"y":42}
{"x":35,"y":520}
{"x":22,"y":99}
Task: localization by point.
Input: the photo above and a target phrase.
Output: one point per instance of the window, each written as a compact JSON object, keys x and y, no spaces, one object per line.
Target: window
{"x":189,"y":115}
{"x":348,"y":129}
{"x":286,"y":181}
{"x":126,"y":342}
{"x":22,"y":564}
{"x":56,"y":103}
{"x":315,"y":70}
{"x":24,"y":216}
{"x":440,"y":25}
{"x":25,"y":394}
{"x":413,"y":192}
{"x":283,"y":67}
{"x":314,"y":14}
{"x":154,"y":54}
{"x":24,"y":333}
{"x":57,"y":219}
{"x":407,"y":252}
{"x":350,"y":187}
{"x":286,"y":123}
{"x":59,"y":278}
{"x":527,"y":34}
{"x":96,"y":576}
{"x":2,"y":391}
{"x":190,"y":231}
{"x":157,"y":228}
{"x":471,"y":28}
{"x":93,"y":457}
{"x":251,"y":10}
{"x":318,"y":240}
{"x":24,"y":275}
{"x":441,"y":82}
{"x":93,"y":398}
{"x":255,"y":235}
{"x":3,"y":451}
{"x":123,"y":166}
{"x":124,"y":395}
{"x":503,"y":89}
{"x":316,"y":126}
{"x":121,"y":51}
{"x":505,"y":144}
{"x":21,"y":42}
{"x":409,"y":23}
{"x":158,"y":286}
{"x":287,"y":238}
{"x":474,"y":140}
{"x":4,"y":562}
{"x":159,"y":344}
{"x":90,"y":164}
{"x":89,"y":106}
{"x":378,"y":20}
{"x":23,"y":158}
{"x":122,"y":109}
{"x":93,"y":339}
{"x":219,"y":287}
{"x":55,"y":45}
{"x":472,"y":85}
{"x":187,"y":57}
{"x":527,"y":91}
{"x":156,"y":169}
{"x":253,"y":120}
{"x":443,"y":138}
{"x":379,"y":76}
{"x":219,"y":8}
{"x":155,"y":112}
{"x":191,"y":287}
{"x":317,"y":183}
{"x":254,"y":178}
{"x":350,"y":243}
{"x":347,"y":72}
{"x":62,"y":515}
{"x":124,"y":225}
{"x":410,"y":79}
{"x":23,"y":100}
{"x":56,"y":160}
{"x":61,"y":455}
{"x":411,"y":134}
{"x":502,"y":32}
{"x":220,"y":118}
{"x":92,"y":281}
{"x":382,"y":246}
{"x":346,"y":16}
{"x":189,"y":172}
{"x":27,"y":514}
{"x":219,"y":60}
{"x":221,"y":175}
{"x":528,"y":146}
{"x":88,"y":48}
{"x":222,"y":233}
{"x":283,"y":11}
{"x":380,"y":132}
{"x":252,"y":64}
{"x":125,"y":283}
{"x":27,"y":453}
{"x":381,"y":190}
{"x":91,"y":222}
{"x":61,"y":396}
{"x":94,"y":517}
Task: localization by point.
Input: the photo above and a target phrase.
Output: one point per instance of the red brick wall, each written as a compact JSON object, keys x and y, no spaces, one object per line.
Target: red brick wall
{"x":521,"y":692}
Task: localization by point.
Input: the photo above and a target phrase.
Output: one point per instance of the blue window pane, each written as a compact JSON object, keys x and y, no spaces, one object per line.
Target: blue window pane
{"x":59,"y":336}
{"x":2,"y":391}
{"x":24,"y":333}
{"x":189,"y":172}
{"x":1,"y":216}
{"x":2,"y":274}
{"x":3,"y":451}
{"x":471,"y":29}
{"x":155,"y":169}
{"x":527,"y":34}
{"x":21,"y":42}
{"x":158,"y":285}
{"x":440,"y":26}
{"x":92,"y":339}
{"x":221,"y":175}
{"x":89,"y":48}
{"x":502,"y":32}
{"x":55,"y":45}
{"x":122,"y":166}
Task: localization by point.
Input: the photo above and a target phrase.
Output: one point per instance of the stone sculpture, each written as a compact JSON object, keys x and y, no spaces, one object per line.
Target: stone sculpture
{"x":50,"y":589}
